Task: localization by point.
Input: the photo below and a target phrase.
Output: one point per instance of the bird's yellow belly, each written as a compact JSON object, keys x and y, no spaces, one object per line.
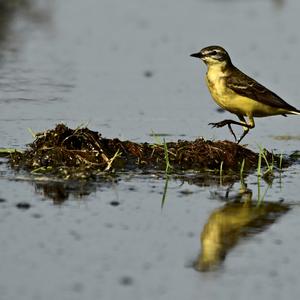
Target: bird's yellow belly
{"x":240,"y":105}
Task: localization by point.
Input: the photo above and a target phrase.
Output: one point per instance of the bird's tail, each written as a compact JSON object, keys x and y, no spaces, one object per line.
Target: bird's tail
{"x":295,"y":112}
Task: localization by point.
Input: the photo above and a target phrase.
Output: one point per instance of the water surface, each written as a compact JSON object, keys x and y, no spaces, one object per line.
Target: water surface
{"x":124,"y":68}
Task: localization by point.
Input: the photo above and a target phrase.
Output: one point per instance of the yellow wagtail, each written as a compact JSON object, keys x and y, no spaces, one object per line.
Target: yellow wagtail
{"x":238,"y":93}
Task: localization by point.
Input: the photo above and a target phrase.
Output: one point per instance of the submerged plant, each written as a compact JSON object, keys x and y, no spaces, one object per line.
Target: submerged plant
{"x":6,"y":152}
{"x":167,"y":171}
{"x":221,"y":172}
{"x":166,"y":155}
{"x":259,"y":164}
{"x":280,"y":162}
{"x":268,"y":172}
{"x":269,"y":164}
{"x":242,"y":170}
{"x":163,"y":199}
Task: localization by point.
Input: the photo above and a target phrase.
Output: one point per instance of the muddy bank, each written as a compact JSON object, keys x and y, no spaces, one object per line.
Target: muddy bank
{"x":81,"y":153}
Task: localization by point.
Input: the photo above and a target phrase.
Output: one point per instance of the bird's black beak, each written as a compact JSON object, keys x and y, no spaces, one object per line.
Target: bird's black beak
{"x":198,"y":55}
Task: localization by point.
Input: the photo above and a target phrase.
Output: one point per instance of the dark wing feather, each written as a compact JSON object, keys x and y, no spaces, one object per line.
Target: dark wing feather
{"x":248,"y":87}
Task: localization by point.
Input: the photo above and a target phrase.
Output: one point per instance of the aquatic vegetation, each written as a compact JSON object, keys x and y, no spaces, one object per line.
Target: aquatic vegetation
{"x":82,"y":153}
{"x":6,"y":152}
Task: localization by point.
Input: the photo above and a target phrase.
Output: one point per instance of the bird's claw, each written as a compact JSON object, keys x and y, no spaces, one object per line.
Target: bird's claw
{"x":218,"y":124}
{"x":222,"y":124}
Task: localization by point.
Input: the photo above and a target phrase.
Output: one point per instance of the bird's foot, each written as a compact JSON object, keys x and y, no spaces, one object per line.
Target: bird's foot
{"x":221,"y":124}
{"x":224,"y":123}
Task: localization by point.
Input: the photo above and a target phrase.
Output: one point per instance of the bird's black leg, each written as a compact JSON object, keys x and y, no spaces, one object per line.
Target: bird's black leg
{"x":246,"y":127}
{"x":229,"y":122}
{"x":232,"y":132}
{"x":243,"y":135}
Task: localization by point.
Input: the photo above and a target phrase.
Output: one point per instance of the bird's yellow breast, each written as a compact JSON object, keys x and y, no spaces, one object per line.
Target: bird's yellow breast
{"x":224,"y":97}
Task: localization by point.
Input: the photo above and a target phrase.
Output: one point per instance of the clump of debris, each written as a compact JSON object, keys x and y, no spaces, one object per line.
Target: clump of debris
{"x":82,"y":153}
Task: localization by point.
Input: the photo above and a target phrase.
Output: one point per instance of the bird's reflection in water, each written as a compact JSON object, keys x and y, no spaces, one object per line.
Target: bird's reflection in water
{"x":240,"y":217}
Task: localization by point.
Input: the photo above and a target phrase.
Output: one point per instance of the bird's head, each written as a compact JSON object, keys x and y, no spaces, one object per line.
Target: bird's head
{"x":213,"y":55}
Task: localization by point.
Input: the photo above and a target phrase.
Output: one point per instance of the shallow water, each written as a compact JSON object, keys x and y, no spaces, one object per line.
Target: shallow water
{"x":125,"y":69}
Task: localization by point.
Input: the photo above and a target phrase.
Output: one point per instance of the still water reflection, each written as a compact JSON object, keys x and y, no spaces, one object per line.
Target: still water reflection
{"x":240,"y":217}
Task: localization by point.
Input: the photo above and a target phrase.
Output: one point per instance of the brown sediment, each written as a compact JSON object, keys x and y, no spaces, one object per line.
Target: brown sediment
{"x":81,"y":153}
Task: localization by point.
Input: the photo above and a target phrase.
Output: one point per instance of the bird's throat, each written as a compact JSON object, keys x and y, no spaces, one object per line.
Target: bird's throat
{"x":218,"y":68}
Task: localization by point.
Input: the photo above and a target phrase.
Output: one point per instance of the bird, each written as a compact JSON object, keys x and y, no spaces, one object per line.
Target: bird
{"x":238,"y":93}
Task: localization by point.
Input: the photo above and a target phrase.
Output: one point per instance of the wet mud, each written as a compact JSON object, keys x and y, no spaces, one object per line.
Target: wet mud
{"x":83,"y":153}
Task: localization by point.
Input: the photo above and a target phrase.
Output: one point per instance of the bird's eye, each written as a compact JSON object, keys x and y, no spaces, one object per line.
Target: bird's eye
{"x":213,"y":53}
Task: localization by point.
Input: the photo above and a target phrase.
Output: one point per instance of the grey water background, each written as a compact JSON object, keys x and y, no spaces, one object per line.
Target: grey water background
{"x":124,"y":68}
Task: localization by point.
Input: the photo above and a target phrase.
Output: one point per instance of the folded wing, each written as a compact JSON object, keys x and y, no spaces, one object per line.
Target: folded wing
{"x":248,"y":87}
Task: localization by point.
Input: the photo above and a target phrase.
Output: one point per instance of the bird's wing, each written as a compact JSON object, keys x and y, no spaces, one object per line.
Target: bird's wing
{"x":248,"y":87}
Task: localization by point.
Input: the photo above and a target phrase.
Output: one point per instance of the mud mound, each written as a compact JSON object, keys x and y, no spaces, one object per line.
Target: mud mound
{"x":82,"y":153}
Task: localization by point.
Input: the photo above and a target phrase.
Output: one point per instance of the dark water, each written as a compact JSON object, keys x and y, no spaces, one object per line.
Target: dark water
{"x":124,"y":68}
